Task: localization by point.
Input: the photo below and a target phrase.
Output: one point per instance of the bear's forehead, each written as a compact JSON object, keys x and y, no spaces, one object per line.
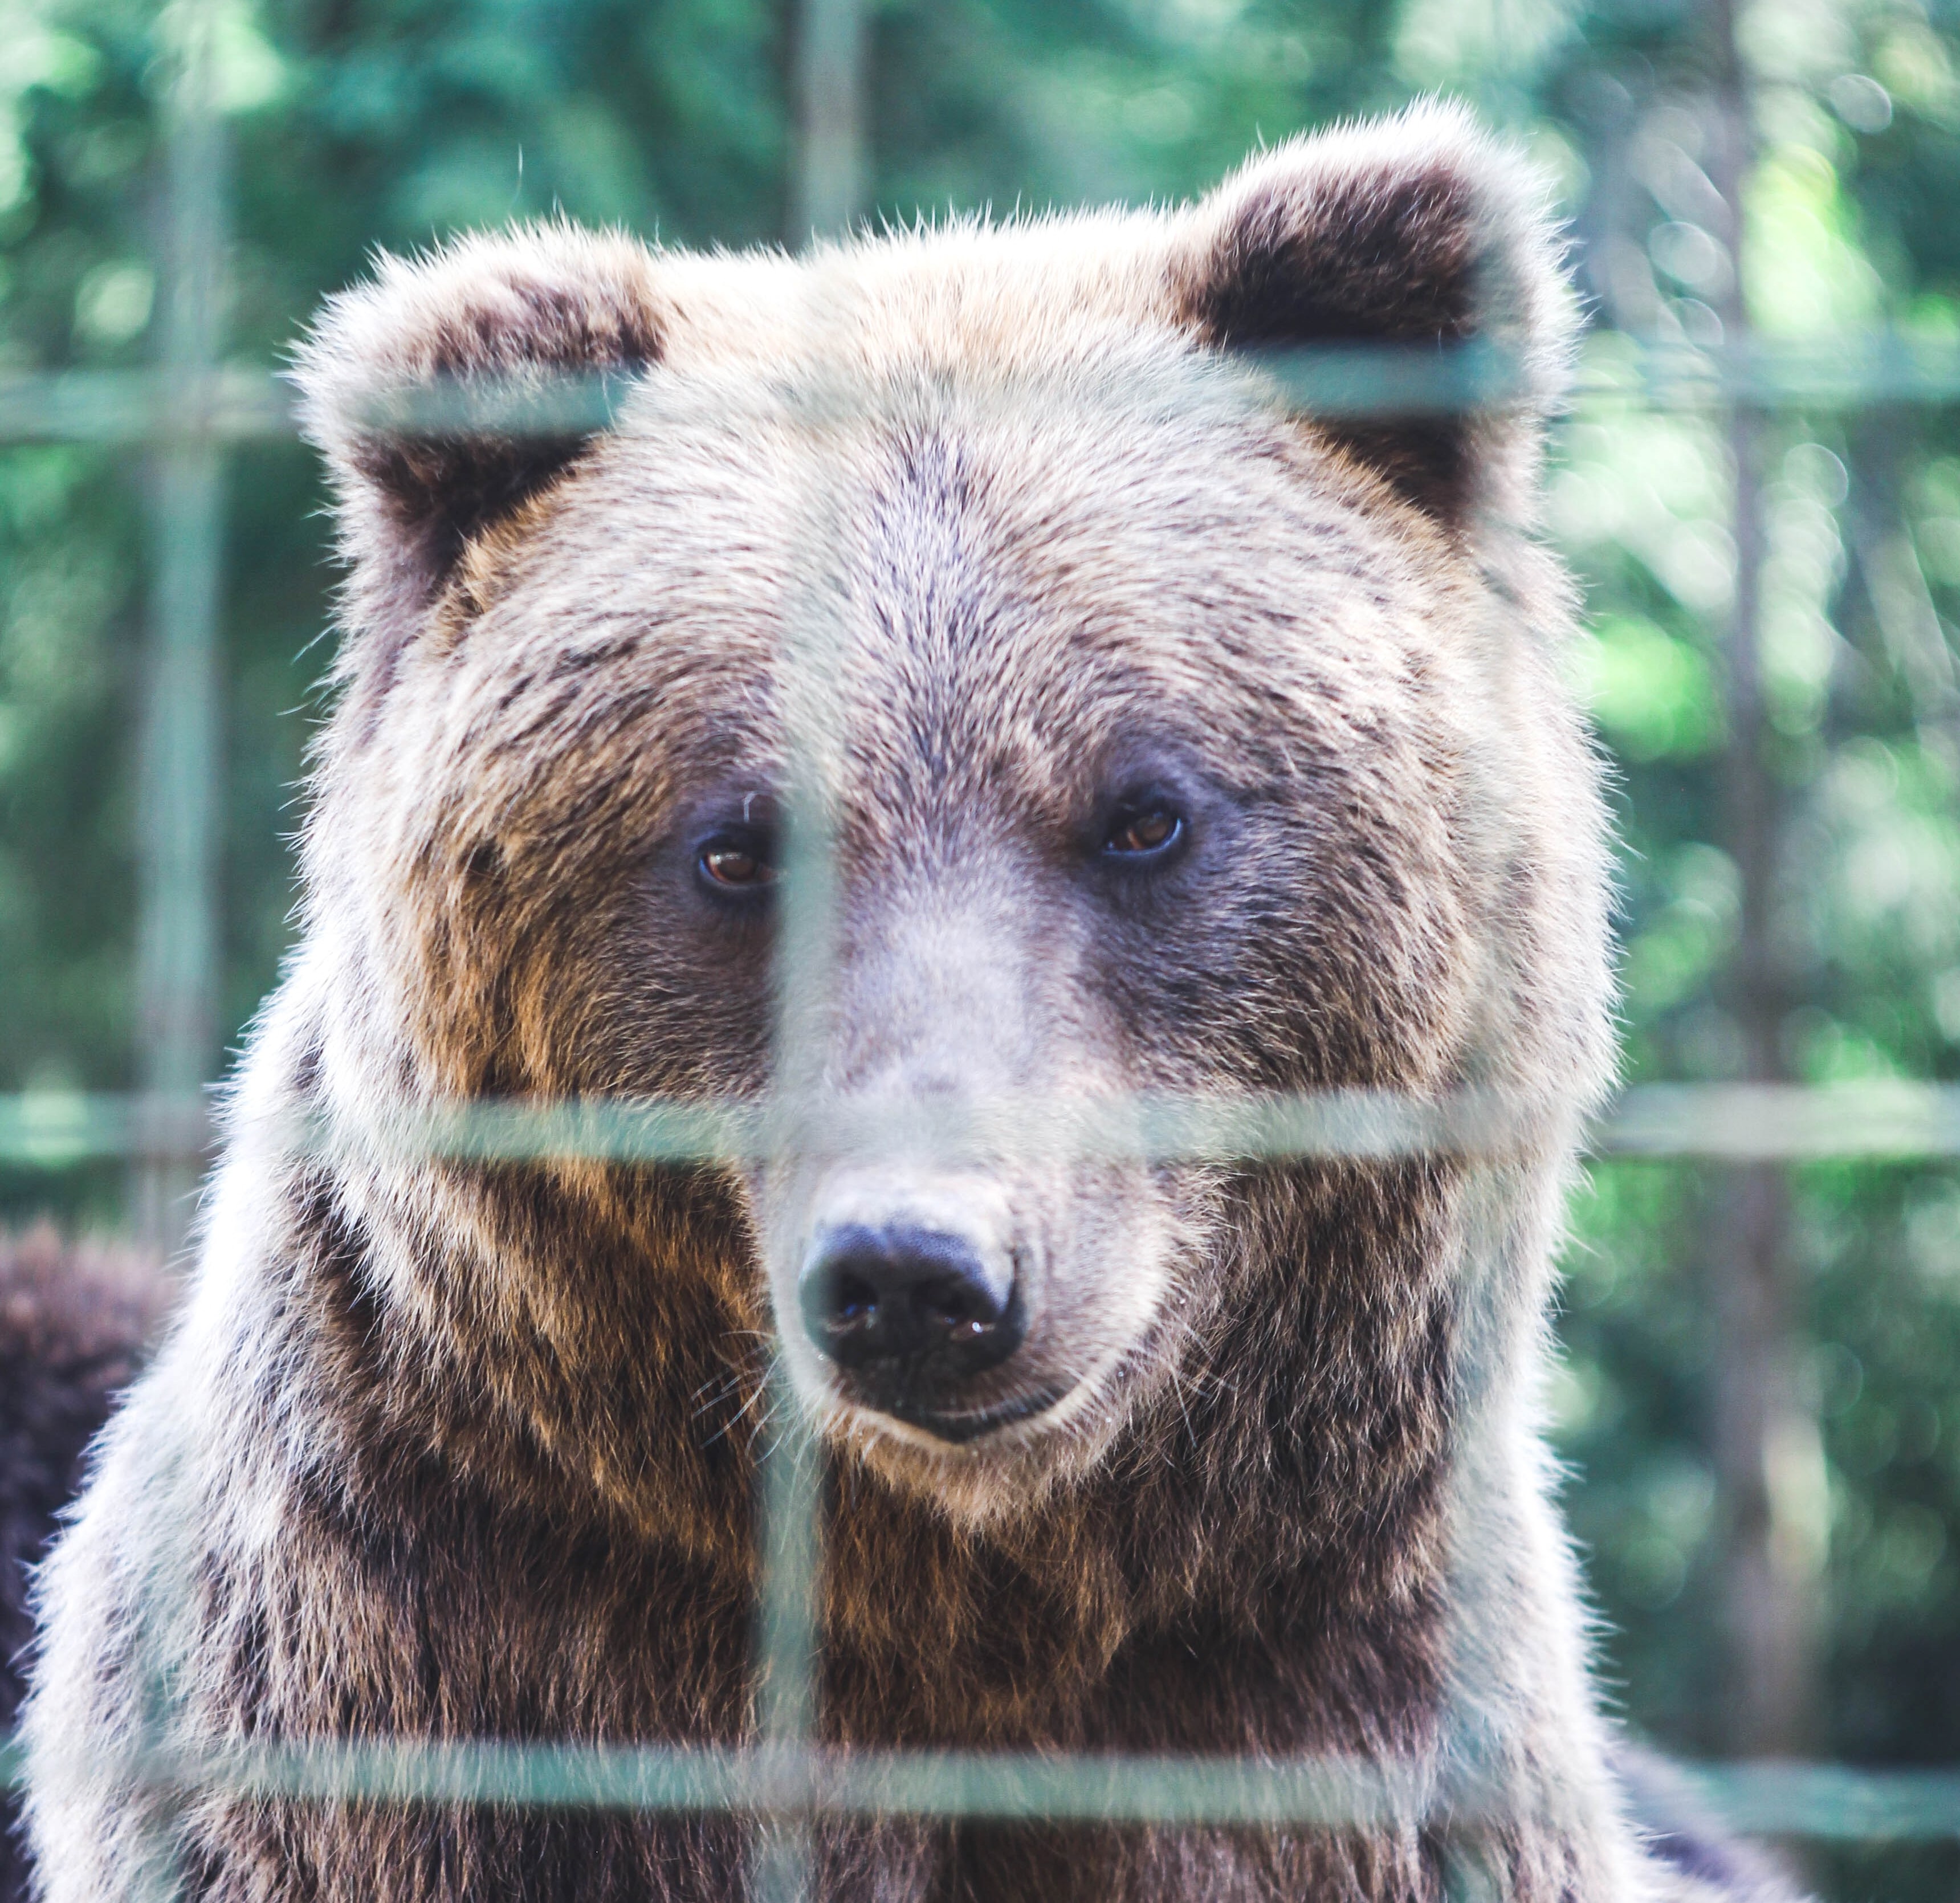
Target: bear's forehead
{"x":1052,"y":553}
{"x":977,"y":586}
{"x":965,"y":592}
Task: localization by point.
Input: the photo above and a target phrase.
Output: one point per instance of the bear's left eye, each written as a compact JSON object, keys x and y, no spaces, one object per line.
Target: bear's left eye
{"x":1144,"y":832}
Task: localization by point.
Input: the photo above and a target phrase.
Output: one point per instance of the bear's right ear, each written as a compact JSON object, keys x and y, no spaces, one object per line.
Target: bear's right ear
{"x":508,"y":312}
{"x":1418,"y":231}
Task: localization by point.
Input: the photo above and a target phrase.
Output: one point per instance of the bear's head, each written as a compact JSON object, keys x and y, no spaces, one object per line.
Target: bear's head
{"x":957,"y":707}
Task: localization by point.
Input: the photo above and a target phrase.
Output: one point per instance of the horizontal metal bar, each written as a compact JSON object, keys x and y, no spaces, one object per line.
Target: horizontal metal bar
{"x":1727,"y":1122}
{"x":55,"y":1129}
{"x":789,"y":1780}
{"x":110,"y":406}
{"x":241,"y":404}
{"x":1833,"y":1803}
{"x":1877,"y":1122}
{"x":1862,"y":369}
{"x":1828,"y":1802}
{"x":1855,"y":369}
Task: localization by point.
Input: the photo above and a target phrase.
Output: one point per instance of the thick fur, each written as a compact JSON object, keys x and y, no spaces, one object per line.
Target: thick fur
{"x":1679,"y":1827}
{"x":74,"y":1319}
{"x":960,"y":532}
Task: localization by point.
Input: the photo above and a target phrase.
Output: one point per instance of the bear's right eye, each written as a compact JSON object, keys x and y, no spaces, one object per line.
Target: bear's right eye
{"x":733,"y":866}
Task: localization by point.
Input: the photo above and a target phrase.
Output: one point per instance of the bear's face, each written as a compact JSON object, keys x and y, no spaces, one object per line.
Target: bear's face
{"x":951,"y":746}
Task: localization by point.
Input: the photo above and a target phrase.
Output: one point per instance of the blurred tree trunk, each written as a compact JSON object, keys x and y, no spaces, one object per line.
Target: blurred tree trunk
{"x":1764,"y":1431}
{"x":827,"y":185}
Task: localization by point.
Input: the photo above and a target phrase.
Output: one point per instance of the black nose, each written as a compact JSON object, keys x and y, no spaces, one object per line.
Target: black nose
{"x":901,"y":1295}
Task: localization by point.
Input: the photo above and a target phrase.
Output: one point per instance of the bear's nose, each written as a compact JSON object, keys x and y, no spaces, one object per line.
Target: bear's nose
{"x":902,"y":1294}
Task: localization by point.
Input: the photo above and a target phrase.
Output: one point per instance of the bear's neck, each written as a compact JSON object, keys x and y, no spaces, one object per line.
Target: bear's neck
{"x":1277,"y":1515}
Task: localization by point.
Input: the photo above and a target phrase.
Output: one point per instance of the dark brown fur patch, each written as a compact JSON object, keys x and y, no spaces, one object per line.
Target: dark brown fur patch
{"x":1380,"y":257}
{"x":516,"y":328}
{"x":73,"y":1321}
{"x":446,"y":488}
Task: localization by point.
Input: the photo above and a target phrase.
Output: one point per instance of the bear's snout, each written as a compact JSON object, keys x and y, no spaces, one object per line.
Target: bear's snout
{"x":910,"y":1306}
{"x":922,"y":1295}
{"x":909,"y":1315}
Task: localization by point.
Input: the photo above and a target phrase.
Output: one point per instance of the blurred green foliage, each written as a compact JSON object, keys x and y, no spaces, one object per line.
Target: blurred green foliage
{"x":1849,"y":224}
{"x":360,"y":122}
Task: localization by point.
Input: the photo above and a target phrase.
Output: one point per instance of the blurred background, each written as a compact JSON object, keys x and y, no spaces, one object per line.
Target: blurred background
{"x":1758,"y":1397}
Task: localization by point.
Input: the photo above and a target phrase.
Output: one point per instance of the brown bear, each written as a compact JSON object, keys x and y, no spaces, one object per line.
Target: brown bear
{"x":964,"y":613}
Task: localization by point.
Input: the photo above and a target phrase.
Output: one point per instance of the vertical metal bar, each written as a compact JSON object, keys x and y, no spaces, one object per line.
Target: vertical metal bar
{"x":176,"y":813}
{"x":1763,"y":1429}
{"x":826,"y":188}
{"x":788,"y":1634}
{"x":177,"y":817}
{"x":790,"y":1588}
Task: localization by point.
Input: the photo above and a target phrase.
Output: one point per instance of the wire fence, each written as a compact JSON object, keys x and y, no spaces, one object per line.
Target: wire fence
{"x":190,"y":411}
{"x":231,"y":404}
{"x":1819,"y":1803}
{"x":1882,"y":1121}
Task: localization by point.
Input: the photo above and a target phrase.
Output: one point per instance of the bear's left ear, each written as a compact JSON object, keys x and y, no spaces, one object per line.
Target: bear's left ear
{"x":507,"y":313}
{"x":1418,"y":230}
